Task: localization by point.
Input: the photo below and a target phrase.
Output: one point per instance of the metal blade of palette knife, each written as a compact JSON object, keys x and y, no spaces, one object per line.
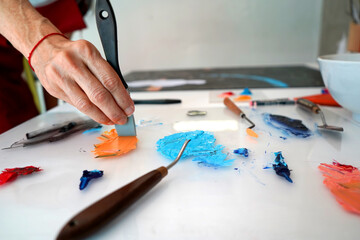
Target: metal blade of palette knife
{"x":106,"y":24}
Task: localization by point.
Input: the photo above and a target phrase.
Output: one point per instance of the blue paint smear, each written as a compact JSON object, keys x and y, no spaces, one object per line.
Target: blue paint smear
{"x":91,"y":130}
{"x":272,"y":81}
{"x":242,"y":151}
{"x":89,"y":175}
{"x":282,"y":137}
{"x":202,"y":147}
{"x":246,"y":91}
{"x":287,"y":125}
{"x":280,"y":166}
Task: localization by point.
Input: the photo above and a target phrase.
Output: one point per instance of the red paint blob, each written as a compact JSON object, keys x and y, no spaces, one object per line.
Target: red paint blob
{"x":10,"y":174}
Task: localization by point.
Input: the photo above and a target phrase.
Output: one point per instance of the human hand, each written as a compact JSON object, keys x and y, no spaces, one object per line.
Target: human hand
{"x":75,"y":72}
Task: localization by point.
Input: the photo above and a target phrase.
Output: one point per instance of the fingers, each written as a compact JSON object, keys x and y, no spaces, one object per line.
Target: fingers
{"x":99,"y":95}
{"x":76,"y":73}
{"x":102,"y":70}
{"x":79,"y":99}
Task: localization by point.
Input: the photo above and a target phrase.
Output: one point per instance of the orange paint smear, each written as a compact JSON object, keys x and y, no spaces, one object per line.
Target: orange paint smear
{"x":251,"y":133}
{"x":344,"y":183}
{"x":153,"y":88}
{"x":242,"y":98}
{"x":114,"y":145}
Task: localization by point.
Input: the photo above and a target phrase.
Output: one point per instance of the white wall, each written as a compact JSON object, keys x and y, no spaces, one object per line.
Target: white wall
{"x":174,"y":34}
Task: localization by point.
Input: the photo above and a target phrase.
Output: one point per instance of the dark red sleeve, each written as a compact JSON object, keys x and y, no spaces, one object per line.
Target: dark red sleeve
{"x":64,"y":14}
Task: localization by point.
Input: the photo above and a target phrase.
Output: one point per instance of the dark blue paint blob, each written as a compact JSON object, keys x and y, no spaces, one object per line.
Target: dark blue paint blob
{"x":202,"y":147}
{"x":242,"y":151}
{"x":280,"y":166}
{"x":246,"y":91}
{"x":89,"y":175}
{"x":287,"y":125}
{"x":282,"y":137}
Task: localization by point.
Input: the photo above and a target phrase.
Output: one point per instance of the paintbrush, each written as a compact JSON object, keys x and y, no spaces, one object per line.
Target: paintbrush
{"x":94,"y":217}
{"x":106,"y":24}
{"x":235,"y":109}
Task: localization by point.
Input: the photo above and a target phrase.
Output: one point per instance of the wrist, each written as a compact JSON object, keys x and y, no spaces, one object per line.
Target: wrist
{"x":43,"y":49}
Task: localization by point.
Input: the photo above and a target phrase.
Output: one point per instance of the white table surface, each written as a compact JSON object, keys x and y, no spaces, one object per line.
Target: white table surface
{"x":193,"y":201}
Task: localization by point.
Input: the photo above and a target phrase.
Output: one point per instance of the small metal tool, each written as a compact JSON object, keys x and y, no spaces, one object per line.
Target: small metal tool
{"x":106,"y":24}
{"x":94,"y":217}
{"x":306,"y":104}
{"x":235,"y":109}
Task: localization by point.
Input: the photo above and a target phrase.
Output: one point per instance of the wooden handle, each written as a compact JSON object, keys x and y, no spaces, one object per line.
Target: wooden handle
{"x":101,"y":212}
{"x":232,"y":106}
{"x":308,"y":105}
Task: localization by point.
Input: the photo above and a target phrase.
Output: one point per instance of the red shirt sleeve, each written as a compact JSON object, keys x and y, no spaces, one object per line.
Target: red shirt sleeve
{"x":64,"y":14}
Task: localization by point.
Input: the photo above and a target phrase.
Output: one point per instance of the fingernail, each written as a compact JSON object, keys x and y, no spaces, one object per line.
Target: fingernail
{"x":129,"y":111}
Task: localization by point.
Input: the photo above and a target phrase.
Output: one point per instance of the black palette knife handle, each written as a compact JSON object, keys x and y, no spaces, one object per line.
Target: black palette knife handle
{"x":106,"y":24}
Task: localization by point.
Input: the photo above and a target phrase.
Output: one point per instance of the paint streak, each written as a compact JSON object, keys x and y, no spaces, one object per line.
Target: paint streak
{"x":242,"y":98}
{"x":88,"y":176}
{"x":280,"y":166}
{"x":147,"y":123}
{"x":251,"y":133}
{"x":246,"y":91}
{"x":287,"y":125}
{"x":242,"y":151}
{"x":202,"y":147}
{"x":114,"y":145}
{"x":92,"y":130}
{"x":226,"y":94}
{"x":344,"y":183}
{"x":271,"y":81}
{"x":10,"y":174}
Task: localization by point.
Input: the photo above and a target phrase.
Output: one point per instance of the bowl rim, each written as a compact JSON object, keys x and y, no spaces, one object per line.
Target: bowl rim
{"x":328,"y":58}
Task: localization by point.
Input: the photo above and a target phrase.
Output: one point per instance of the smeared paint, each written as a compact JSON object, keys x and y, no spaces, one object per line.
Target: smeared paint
{"x":114,"y":145}
{"x":246,"y":91}
{"x":153,"y":88}
{"x":147,"y":123}
{"x":242,"y":151}
{"x":242,"y":98}
{"x":344,"y":167}
{"x":88,"y":176}
{"x":324,"y":91}
{"x":202,"y":147}
{"x":226,"y":94}
{"x":92,"y":130}
{"x":280,"y":166}
{"x":271,"y":81}
{"x":287,"y":125}
{"x":344,"y":183}
{"x":10,"y":174}
{"x":282,"y":137}
{"x":251,"y":133}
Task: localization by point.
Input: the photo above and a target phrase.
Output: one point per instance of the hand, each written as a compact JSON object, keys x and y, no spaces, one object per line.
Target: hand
{"x":75,"y":72}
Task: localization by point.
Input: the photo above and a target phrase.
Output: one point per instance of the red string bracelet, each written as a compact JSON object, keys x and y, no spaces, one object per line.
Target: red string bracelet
{"x":38,"y":43}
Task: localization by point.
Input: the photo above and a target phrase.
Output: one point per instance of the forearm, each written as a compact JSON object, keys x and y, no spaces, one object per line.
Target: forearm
{"x":22,"y":25}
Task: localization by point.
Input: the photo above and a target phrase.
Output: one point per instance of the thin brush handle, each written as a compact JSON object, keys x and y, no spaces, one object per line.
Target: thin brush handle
{"x":232,"y":106}
{"x":101,"y":212}
{"x":308,"y":105}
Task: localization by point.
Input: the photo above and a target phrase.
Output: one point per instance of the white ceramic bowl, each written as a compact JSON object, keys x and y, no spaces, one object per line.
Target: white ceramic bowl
{"x":341,"y":74}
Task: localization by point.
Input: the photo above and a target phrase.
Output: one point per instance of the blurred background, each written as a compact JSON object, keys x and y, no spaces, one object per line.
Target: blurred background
{"x":187,"y":34}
